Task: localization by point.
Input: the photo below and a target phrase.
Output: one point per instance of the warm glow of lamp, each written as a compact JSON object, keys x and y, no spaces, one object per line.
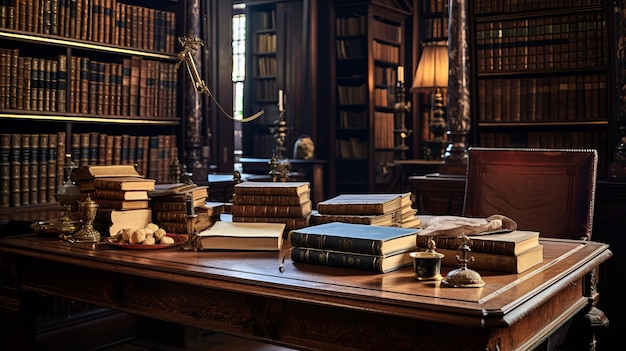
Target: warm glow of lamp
{"x":432,"y":76}
{"x":432,"y":70}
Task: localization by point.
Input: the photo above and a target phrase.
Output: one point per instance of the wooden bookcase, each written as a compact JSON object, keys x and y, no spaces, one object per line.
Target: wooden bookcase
{"x":368,"y":49}
{"x":431,"y":20}
{"x":542,"y":76}
{"x":276,"y":55}
{"x":97,"y":82}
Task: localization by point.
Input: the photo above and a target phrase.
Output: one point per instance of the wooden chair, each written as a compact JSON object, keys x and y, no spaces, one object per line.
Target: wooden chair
{"x":548,"y":190}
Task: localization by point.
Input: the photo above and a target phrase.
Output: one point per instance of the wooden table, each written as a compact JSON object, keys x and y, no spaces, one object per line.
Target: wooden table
{"x":306,"y":306}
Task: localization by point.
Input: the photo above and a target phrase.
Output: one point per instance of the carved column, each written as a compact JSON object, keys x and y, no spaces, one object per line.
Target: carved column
{"x":618,"y":144}
{"x":192,"y":100}
{"x":459,"y":119}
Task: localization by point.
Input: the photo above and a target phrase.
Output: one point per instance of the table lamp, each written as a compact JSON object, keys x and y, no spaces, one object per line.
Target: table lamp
{"x":432,"y":76}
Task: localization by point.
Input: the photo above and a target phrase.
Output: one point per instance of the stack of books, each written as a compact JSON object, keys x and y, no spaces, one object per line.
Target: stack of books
{"x":390,"y":210}
{"x":85,"y":176}
{"x":174,"y":204}
{"x":512,"y":252}
{"x":378,"y":249}
{"x":273,"y":202}
{"x":122,"y":203}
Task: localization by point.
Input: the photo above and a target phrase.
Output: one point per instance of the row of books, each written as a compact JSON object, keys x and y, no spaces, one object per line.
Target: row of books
{"x":563,"y":42}
{"x":352,"y":94}
{"x":386,"y":31}
{"x":351,"y":48}
{"x":351,"y":26}
{"x":436,"y":27}
{"x":383,"y":130}
{"x":352,"y":119}
{"x":31,"y":168}
{"x":265,"y":89}
{"x":32,"y":165}
{"x":385,"y":52}
{"x":273,"y":202}
{"x":546,"y":139}
{"x":134,"y":87}
{"x":557,"y":98}
{"x":266,"y":66}
{"x":351,"y":148}
{"x":384,"y":97}
{"x":386,"y":76}
{"x":101,"y":21}
{"x":496,"y":6}
{"x":266,"y":43}
{"x":153,"y":154}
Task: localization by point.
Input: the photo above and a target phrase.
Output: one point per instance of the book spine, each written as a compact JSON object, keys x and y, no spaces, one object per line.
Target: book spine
{"x":42,"y":169}
{"x":5,"y":169}
{"x":178,"y":217}
{"x":265,"y":191}
{"x":477,"y":245}
{"x":356,"y":208}
{"x":331,"y":242}
{"x":269,"y":200}
{"x":271,"y":210}
{"x":290,"y":223}
{"x":51,"y":158}
{"x":494,"y":262}
{"x":369,"y":263}
{"x":33,"y":170}
{"x":14,"y":169}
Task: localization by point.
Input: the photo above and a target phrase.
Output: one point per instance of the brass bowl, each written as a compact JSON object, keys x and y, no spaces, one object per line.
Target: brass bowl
{"x":56,"y":227}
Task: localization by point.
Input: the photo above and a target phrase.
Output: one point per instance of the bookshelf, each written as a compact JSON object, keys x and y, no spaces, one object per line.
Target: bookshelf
{"x":368,"y":49}
{"x":431,"y":19}
{"x":542,"y":76}
{"x":278,"y":49}
{"x":95,"y":80}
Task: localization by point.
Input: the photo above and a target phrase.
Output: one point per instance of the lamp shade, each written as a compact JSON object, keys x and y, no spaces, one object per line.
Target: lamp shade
{"x":432,"y":70}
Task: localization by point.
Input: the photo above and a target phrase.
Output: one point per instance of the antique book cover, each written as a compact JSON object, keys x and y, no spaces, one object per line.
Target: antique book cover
{"x":97,"y":171}
{"x":362,"y":204}
{"x":122,"y":204}
{"x":300,"y":211}
{"x":242,"y":236}
{"x":364,"y":262}
{"x":387,"y":219}
{"x":355,"y":238}
{"x":298,"y":199}
{"x":511,"y":243}
{"x":494,"y":262}
{"x":123,"y":183}
{"x":272,"y":188}
{"x":108,"y":194}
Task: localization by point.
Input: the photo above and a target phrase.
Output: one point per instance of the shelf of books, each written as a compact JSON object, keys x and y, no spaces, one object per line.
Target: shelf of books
{"x":432,"y":27}
{"x":262,"y":82}
{"x":85,"y":78}
{"x":542,"y":75}
{"x":368,"y":51}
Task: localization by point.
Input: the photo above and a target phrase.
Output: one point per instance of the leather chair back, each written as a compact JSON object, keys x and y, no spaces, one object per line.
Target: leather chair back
{"x":548,"y":190}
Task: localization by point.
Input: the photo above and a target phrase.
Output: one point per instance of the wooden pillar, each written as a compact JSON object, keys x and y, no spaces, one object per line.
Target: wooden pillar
{"x":459,"y":119}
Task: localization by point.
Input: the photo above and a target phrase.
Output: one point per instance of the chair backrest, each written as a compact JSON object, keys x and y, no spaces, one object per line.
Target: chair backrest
{"x":548,"y":190}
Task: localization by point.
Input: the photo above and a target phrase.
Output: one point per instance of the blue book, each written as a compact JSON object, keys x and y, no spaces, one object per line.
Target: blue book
{"x":355,"y":238}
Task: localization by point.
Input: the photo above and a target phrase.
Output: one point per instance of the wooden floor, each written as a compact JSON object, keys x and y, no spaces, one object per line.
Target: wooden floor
{"x":210,"y":341}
